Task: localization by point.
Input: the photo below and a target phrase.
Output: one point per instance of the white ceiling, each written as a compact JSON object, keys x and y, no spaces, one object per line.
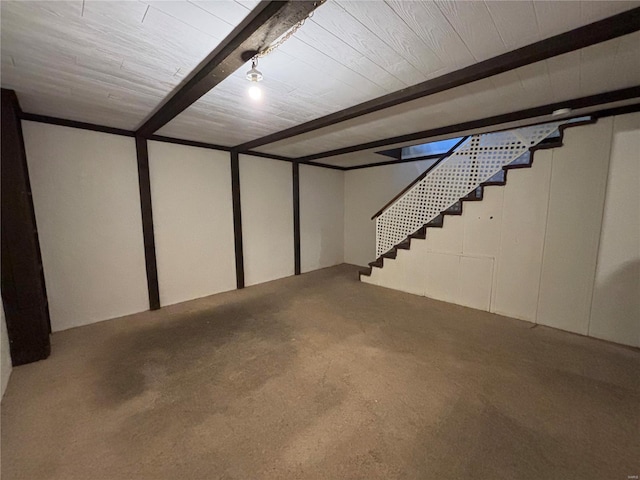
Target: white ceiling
{"x":351,"y":52}
{"x":112,"y":63}
{"x":106,"y":62}
{"x":607,"y":66}
{"x":370,"y":155}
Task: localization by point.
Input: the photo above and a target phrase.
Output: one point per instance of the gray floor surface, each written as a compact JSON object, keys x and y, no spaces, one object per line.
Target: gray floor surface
{"x":323,"y":377}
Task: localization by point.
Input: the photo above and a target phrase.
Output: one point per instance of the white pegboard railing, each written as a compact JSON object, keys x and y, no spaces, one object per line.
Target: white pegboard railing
{"x":475,"y":161}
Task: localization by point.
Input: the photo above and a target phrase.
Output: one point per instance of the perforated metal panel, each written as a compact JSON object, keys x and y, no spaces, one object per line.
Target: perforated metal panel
{"x":474,"y":162}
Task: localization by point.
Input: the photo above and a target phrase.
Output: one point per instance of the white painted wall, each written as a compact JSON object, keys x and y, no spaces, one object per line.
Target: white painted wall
{"x":266,"y":195}
{"x":5,"y":354}
{"x":365,"y":192}
{"x":321,"y":217}
{"x":574,"y":221}
{"x":192,"y":221}
{"x":539,"y":249}
{"x":615,"y":311}
{"x":87,"y":206}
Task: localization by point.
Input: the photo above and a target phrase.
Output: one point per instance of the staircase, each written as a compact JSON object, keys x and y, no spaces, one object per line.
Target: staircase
{"x":459,"y":176}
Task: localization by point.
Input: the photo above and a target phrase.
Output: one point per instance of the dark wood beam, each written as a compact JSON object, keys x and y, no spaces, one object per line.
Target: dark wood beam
{"x":189,"y":143}
{"x":158,"y":138}
{"x":290,"y":159}
{"x":576,"y":103}
{"x":24,"y":293}
{"x":237,"y":218}
{"x":268,"y":21}
{"x":322,"y":165}
{"x":603,"y":30}
{"x":393,"y":162}
{"x":73,"y":124}
{"x":623,"y":110}
{"x":144,"y":183}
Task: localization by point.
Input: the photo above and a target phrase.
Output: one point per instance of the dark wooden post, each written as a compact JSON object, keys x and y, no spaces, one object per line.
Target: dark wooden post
{"x":296,"y":218}
{"x":144,"y":183}
{"x":24,"y":293}
{"x":237,"y":218}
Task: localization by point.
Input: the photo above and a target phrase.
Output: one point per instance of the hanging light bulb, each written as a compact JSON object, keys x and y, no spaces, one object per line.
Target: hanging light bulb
{"x":254,"y":76}
{"x":254,"y":92}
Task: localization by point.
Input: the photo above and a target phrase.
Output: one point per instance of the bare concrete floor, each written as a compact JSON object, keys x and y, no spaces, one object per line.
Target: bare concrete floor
{"x":322,"y":377}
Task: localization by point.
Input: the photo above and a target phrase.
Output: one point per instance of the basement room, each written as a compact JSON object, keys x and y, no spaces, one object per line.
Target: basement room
{"x":320,"y":239}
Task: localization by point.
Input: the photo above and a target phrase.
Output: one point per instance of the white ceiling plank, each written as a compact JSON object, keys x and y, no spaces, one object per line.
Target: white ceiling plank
{"x":597,"y":10}
{"x":178,"y":38}
{"x":536,"y":83}
{"x":249,"y":4}
{"x":627,"y":61}
{"x":370,"y":156}
{"x":232,"y":12}
{"x":194,"y":16}
{"x":564,"y":74}
{"x":477,"y":100}
{"x":333,"y":19}
{"x":475,"y":26}
{"x":103,"y":53}
{"x":314,"y":35}
{"x":597,"y":68}
{"x":118,"y":14}
{"x":383,"y":22}
{"x":516,"y":22}
{"x":314,"y":61}
{"x":556,"y":17}
{"x":428,"y":22}
{"x":509,"y":85}
{"x":87,"y":60}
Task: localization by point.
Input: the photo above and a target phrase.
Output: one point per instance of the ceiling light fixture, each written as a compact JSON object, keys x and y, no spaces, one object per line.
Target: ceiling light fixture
{"x":254,"y":75}
{"x":561,"y":111}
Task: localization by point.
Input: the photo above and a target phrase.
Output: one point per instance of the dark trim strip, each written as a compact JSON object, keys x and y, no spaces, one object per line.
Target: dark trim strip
{"x":144,"y":183}
{"x":189,"y":143}
{"x":264,"y":24}
{"x":32,"y":117}
{"x":393,"y":162}
{"x":268,"y":155}
{"x":422,"y":175}
{"x":610,"y":112}
{"x":115,"y":131}
{"x":583,"y":102}
{"x":597,"y":32}
{"x":159,"y":138}
{"x":289,"y":159}
{"x":237,"y":218}
{"x":296,"y":216}
{"x":322,"y":165}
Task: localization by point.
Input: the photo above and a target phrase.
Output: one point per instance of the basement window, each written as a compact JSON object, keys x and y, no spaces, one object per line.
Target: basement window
{"x":422,"y":151}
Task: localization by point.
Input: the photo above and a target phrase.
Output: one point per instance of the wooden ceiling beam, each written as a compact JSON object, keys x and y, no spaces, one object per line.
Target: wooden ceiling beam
{"x":597,"y":32}
{"x":268,"y":21}
{"x":529,"y":113}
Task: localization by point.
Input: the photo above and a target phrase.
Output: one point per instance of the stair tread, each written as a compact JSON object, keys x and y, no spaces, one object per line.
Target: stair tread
{"x":499,"y":179}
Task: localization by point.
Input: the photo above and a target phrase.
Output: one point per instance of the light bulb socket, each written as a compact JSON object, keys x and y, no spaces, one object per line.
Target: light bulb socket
{"x":254,"y":75}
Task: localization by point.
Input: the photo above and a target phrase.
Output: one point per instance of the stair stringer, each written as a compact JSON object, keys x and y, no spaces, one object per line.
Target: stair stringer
{"x":399,"y":258}
{"x":446,"y":267}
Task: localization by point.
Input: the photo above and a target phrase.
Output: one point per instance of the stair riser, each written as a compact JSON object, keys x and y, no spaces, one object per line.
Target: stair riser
{"x":438,"y":222}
